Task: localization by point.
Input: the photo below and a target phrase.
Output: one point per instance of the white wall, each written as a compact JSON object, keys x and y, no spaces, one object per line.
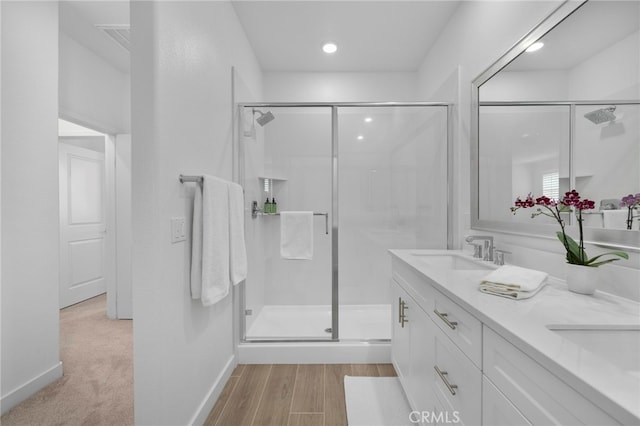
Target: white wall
{"x":92,"y":91}
{"x":340,"y":87}
{"x":182,"y":123}
{"x":477,"y":35}
{"x":611,"y":74}
{"x":30,"y":335}
{"x":124,"y":240}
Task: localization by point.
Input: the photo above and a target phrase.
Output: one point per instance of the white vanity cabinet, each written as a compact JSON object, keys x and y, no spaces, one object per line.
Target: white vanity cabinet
{"x":449,"y":362}
{"x":437,"y":376}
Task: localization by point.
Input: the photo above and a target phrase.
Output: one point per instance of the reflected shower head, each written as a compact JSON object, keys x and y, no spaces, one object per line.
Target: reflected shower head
{"x":265,"y":117}
{"x":601,"y":115}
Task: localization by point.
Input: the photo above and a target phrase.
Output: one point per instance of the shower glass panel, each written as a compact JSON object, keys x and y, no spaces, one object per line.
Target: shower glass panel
{"x":286,"y":154}
{"x":392,"y":195}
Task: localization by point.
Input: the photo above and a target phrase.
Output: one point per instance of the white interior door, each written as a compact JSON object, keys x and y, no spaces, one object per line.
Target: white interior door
{"x":82,"y":224}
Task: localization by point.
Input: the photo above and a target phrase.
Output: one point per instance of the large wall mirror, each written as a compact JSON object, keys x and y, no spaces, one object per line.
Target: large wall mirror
{"x":561,"y":111}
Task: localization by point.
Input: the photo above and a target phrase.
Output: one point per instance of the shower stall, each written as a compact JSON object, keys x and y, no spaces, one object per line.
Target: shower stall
{"x":375,"y":175}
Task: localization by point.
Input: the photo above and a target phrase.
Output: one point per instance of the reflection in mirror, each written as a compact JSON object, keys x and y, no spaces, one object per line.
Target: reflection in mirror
{"x":561,"y":117}
{"x":522,"y":149}
{"x":606,"y":157}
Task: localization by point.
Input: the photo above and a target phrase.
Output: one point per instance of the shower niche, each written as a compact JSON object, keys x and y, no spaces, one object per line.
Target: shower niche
{"x":364,"y":171}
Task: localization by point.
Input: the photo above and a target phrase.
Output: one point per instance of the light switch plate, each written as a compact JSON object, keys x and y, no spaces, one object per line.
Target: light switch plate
{"x":178,"y":231}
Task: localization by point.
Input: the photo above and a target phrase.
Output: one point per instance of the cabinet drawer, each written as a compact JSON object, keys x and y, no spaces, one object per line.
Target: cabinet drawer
{"x":497,"y":410}
{"x":539,"y":395}
{"x":413,"y":283}
{"x":461,"y":374}
{"x":462,"y":327}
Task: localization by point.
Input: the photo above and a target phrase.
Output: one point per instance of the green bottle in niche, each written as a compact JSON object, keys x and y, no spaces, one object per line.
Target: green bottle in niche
{"x":267,"y":207}
{"x":274,"y":205}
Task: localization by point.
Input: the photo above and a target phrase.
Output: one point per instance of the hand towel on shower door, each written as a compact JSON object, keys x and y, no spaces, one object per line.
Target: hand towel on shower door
{"x":296,"y":235}
{"x":212,"y":266}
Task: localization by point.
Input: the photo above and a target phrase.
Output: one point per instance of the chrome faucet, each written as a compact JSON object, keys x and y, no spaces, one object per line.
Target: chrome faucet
{"x":488,"y":245}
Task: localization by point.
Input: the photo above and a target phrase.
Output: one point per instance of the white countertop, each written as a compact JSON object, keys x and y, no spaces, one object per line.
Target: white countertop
{"x":524,"y":324}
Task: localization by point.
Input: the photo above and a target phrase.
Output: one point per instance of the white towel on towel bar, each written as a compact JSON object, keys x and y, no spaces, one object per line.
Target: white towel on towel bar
{"x":210,"y":253}
{"x":237,"y":248}
{"x":296,"y":235}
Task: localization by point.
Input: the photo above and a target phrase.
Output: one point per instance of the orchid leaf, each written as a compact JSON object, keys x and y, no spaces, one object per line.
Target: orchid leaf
{"x":602,"y":263}
{"x":575,"y":255}
{"x":621,"y":254}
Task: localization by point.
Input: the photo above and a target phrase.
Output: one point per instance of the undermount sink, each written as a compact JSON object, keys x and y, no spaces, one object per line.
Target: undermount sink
{"x":618,"y":344}
{"x":449,"y":261}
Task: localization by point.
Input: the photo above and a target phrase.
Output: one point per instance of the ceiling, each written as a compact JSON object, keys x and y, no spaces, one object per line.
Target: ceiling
{"x":78,"y":19}
{"x":287,"y":35}
{"x":371,"y":35}
{"x":594,"y":27}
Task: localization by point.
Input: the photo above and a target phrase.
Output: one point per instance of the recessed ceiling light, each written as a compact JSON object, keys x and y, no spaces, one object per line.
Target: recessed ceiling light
{"x":329,"y":48}
{"x":360,"y":137}
{"x":535,"y":46}
{"x":368,"y":119}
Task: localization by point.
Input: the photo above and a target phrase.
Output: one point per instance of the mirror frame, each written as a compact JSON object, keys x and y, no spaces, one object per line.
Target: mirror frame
{"x":610,"y":238}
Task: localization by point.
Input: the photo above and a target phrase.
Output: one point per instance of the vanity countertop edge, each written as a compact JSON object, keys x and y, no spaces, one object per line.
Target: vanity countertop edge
{"x":524,"y":324}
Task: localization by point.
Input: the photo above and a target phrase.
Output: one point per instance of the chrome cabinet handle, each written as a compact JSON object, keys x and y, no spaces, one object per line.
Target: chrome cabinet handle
{"x":399,"y":310}
{"x":404,"y":316}
{"x":443,"y":317}
{"x":442,"y":374}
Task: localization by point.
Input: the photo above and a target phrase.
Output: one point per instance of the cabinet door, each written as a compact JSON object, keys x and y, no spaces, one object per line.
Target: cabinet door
{"x":541,"y":396}
{"x":497,"y":410}
{"x":421,"y":358}
{"x":400,"y":344}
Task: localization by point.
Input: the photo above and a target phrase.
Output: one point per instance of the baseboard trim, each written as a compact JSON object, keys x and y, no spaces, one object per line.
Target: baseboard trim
{"x":214,"y":393}
{"x":29,"y":388}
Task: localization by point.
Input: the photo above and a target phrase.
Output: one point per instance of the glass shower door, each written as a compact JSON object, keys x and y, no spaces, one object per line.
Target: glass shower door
{"x":392,"y":195}
{"x":286,"y":153}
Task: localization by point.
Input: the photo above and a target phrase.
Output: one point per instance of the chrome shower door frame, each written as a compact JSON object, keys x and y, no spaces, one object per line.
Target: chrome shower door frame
{"x":335,"y":287}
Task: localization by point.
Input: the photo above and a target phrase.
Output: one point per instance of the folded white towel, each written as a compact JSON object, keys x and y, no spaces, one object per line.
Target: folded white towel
{"x":211,"y":264}
{"x":296,"y":235}
{"x":516,"y":278}
{"x":237,"y":248}
{"x":614,"y":219}
{"x":505,"y":291}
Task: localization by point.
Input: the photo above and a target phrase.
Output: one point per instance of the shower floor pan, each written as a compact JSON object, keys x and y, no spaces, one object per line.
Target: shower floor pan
{"x":356,"y":322}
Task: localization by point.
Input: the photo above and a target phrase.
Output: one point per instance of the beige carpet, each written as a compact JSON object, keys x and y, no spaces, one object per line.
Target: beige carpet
{"x":97,"y":385}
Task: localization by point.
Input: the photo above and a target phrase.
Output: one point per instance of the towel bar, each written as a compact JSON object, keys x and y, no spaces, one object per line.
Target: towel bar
{"x":184,"y":179}
{"x":257,"y":211}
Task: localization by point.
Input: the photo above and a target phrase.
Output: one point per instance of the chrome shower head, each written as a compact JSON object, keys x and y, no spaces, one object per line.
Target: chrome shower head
{"x":265,"y":117}
{"x":601,"y":115}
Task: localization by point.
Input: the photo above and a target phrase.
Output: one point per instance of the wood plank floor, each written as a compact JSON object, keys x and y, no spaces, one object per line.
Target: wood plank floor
{"x":288,"y":394}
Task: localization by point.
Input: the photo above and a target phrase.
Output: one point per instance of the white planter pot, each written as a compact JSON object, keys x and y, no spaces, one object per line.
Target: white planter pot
{"x":582,"y":279}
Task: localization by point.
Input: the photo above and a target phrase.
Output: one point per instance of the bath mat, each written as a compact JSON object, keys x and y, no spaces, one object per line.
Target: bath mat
{"x":375,"y":401}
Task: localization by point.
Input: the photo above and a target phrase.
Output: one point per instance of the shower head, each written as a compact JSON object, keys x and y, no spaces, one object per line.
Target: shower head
{"x":265,"y":117}
{"x":601,"y":115}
